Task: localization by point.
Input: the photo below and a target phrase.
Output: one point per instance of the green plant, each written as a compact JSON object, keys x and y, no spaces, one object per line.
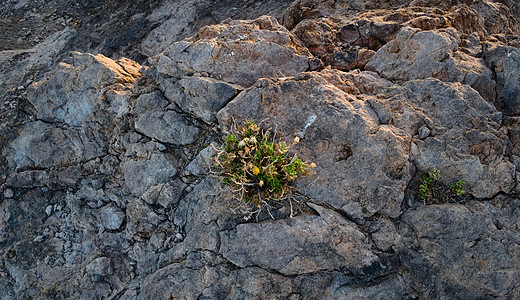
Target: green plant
{"x":257,"y":167}
{"x":432,"y":190}
{"x":457,"y":187}
{"x":428,"y":179}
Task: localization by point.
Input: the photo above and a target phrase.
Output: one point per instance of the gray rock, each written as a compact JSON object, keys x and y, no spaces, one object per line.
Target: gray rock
{"x":394,"y":288}
{"x":202,"y":162}
{"x":416,"y":54}
{"x":505,"y":62}
{"x":238,"y":52}
{"x":38,"y":239}
{"x":100,"y":266}
{"x":167,"y":127}
{"x":178,"y":20}
{"x":461,"y":146}
{"x":75,"y":92}
{"x":143,"y":173}
{"x":165,"y":195}
{"x":146,"y":261}
{"x":450,"y":249}
{"x":202,"y":97}
{"x":8,"y":193}
{"x":38,"y":59}
{"x":141,"y":220}
{"x":167,"y":32}
{"x":424,"y":132}
{"x":49,"y":209}
{"x":41,"y":145}
{"x":177,"y":281}
{"x":74,"y":144}
{"x":301,"y":245}
{"x":150,"y":101}
{"x":111,"y":217}
{"x":384,"y":234}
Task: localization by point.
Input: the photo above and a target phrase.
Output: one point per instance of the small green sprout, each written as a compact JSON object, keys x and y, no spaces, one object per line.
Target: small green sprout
{"x":457,"y":187}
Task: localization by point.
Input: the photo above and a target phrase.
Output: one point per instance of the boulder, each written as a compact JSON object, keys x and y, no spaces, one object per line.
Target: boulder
{"x":416,"y":54}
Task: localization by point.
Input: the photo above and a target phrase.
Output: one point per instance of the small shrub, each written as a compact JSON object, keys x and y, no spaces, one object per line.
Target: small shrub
{"x":257,"y":167}
{"x":457,"y":187}
{"x":428,"y":179}
{"x":432,"y":191}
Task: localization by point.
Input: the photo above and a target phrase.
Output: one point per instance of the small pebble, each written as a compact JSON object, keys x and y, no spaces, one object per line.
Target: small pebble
{"x":160,"y":146}
{"x":49,"y":210}
{"x":424,"y":132}
{"x":8,"y":193}
{"x":38,"y":239}
{"x":189,"y":189}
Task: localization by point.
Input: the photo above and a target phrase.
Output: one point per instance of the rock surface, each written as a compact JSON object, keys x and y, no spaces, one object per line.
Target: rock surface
{"x":112,"y":111}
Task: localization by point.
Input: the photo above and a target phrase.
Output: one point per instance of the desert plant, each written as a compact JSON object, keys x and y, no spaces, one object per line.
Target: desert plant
{"x":258,"y":168}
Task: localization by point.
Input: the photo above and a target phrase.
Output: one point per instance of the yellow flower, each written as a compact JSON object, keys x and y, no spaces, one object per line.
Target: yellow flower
{"x":256,"y":170}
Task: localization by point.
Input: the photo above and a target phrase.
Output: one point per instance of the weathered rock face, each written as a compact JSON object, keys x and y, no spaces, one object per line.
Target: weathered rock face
{"x":306,"y":106}
{"x":107,"y":187}
{"x":239,"y":52}
{"x":431,"y":233}
{"x":416,"y":54}
{"x":76,"y":91}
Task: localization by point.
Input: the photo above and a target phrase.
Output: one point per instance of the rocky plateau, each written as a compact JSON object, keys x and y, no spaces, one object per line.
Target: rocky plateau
{"x":111,"y":110}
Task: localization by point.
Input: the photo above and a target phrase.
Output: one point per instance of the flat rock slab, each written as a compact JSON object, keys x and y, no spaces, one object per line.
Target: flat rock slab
{"x":167,"y":127}
{"x":201,"y":96}
{"x":141,"y":174}
{"x":42,"y":145}
{"x":457,"y":251}
{"x":301,"y":245}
